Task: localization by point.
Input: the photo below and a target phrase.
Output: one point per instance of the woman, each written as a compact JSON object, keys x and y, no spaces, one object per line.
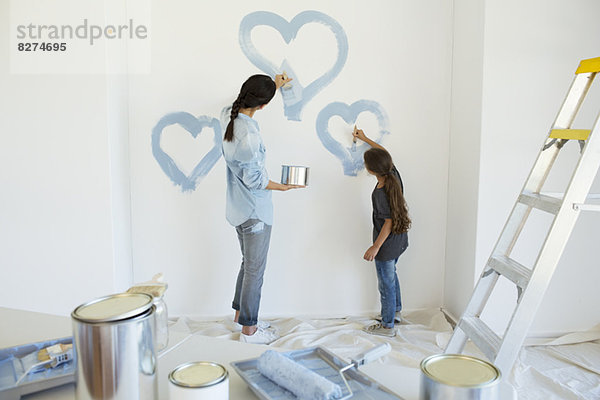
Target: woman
{"x":249,"y":206}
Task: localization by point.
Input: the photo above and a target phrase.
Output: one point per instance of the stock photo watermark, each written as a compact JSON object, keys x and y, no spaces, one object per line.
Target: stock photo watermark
{"x":85,"y":31}
{"x":79,"y":36}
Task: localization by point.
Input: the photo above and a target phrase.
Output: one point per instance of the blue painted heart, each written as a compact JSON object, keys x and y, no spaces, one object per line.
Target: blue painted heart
{"x":194,"y":126}
{"x":288,"y":30}
{"x":351,"y":157}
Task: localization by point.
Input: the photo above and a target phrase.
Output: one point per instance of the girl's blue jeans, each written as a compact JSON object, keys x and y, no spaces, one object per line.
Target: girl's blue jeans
{"x":389,"y":291}
{"x":254,"y":236}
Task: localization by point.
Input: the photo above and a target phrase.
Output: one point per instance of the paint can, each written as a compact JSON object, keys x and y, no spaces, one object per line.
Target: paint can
{"x":115,"y":346}
{"x":458,"y":377}
{"x":294,"y":175}
{"x":199,"y":380}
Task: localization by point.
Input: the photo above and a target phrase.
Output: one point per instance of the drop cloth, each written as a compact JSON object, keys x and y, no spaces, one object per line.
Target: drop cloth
{"x":562,"y":368}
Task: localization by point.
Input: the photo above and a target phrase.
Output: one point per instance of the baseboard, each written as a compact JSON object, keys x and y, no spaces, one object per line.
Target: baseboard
{"x":452,"y":320}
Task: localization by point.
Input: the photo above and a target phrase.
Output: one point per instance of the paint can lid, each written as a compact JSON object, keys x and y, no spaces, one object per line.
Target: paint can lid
{"x":198,"y":374}
{"x":460,"y":370}
{"x":113,"y":308}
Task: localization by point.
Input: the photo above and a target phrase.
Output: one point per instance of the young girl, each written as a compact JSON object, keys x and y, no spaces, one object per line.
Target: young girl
{"x":390,"y":238}
{"x":249,"y":207}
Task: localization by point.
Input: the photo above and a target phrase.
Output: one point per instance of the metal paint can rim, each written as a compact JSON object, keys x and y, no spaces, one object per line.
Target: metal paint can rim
{"x":212,"y":382}
{"x":102,"y":309}
{"x":429,"y":361}
{"x":294,"y":166}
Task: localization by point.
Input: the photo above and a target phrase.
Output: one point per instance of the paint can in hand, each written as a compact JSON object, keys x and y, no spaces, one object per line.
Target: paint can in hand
{"x":201,"y":380}
{"x":294,"y":175}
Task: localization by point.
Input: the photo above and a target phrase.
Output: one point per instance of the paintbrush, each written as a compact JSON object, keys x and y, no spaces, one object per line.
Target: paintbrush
{"x":354,"y":139}
{"x":49,"y":357}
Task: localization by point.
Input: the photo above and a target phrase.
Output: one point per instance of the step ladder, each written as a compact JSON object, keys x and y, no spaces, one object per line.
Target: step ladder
{"x":532,"y":282}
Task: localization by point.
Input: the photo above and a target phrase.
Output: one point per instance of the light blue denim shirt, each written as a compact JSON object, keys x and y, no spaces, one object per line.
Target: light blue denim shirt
{"x":247,"y":177}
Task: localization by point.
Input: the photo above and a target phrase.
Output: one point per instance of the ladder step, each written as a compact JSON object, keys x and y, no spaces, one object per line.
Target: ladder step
{"x":541,"y":202}
{"x":481,"y":335}
{"x":589,"y":65}
{"x":511,"y":269}
{"x":571,"y":134}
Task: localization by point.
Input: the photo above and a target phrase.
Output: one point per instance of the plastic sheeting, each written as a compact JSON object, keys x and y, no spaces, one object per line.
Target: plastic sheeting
{"x":564,"y":368}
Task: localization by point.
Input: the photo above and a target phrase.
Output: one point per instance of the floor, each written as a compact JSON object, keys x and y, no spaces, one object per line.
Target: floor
{"x":565,"y":368}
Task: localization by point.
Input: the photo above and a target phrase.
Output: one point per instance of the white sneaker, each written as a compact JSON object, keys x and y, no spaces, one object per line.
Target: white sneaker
{"x":261,"y":336}
{"x":259,"y":324}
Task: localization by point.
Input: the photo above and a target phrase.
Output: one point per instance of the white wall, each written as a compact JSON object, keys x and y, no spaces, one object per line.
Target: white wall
{"x":531,"y":51}
{"x":399,"y":56}
{"x":465,"y":142}
{"x":56,"y":247}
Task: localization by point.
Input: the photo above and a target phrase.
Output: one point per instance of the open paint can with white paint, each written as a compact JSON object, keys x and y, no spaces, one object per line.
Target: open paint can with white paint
{"x":458,"y":377}
{"x":201,"y":380}
{"x":294,"y":175}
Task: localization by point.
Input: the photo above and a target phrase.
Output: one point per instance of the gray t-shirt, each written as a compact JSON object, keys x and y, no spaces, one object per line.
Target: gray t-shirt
{"x":395,"y":244}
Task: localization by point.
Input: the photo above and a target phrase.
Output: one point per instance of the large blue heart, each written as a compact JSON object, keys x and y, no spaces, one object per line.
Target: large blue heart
{"x":194,"y":126}
{"x":293,"y":105}
{"x":351,"y":157}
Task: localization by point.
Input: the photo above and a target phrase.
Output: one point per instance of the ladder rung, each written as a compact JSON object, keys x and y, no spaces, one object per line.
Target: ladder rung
{"x":571,"y":134}
{"x":586,"y":207}
{"x":511,"y":269}
{"x":481,"y":335}
{"x":589,"y":65}
{"x":541,"y":201}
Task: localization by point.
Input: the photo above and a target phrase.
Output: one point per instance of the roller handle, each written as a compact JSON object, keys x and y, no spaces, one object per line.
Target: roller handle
{"x":372,"y":354}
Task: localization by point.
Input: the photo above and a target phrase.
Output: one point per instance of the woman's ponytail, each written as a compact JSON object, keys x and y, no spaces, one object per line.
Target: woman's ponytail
{"x":235,"y":110}
{"x":258,"y":90}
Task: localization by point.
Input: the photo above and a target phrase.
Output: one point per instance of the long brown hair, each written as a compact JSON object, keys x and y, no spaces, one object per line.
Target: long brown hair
{"x":258,"y":90}
{"x":379,"y":162}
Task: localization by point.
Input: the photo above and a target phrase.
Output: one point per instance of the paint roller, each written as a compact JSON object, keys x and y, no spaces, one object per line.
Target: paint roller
{"x":307,"y":384}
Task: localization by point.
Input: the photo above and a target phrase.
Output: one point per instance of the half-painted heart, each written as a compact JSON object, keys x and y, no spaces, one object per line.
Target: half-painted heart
{"x":194,"y":126}
{"x":288,"y":30}
{"x":351,"y":157}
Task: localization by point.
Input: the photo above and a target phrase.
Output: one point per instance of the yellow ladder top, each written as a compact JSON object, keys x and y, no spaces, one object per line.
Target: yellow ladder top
{"x":590,"y":65}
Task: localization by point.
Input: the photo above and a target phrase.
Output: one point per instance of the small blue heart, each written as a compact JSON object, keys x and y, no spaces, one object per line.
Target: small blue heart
{"x":351,"y":157}
{"x":289,"y":30}
{"x":194,"y":126}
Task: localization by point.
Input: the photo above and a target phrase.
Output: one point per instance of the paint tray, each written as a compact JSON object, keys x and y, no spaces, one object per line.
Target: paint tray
{"x":322,"y":362}
{"x":14,"y":363}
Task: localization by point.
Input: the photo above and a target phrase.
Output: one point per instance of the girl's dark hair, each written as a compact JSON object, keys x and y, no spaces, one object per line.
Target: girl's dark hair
{"x":255,"y":92}
{"x":380,"y":163}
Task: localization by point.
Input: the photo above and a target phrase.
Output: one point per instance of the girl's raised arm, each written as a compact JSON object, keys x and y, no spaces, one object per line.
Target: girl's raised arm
{"x":358,"y":133}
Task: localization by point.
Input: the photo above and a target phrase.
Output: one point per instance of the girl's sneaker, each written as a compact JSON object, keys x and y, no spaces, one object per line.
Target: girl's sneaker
{"x":259,"y":324}
{"x":380,"y":330}
{"x":261,"y":336}
{"x":397,"y":318}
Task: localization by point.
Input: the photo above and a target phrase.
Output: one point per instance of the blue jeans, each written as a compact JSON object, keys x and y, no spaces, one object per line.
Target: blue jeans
{"x":389,"y":291}
{"x":254,"y":236}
